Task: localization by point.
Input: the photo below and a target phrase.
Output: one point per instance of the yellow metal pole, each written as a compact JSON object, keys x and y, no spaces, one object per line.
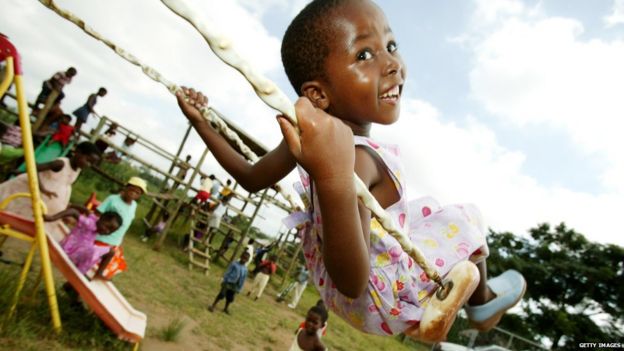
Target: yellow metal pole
{"x":8,"y":76}
{"x":22,"y":279}
{"x":40,"y":237}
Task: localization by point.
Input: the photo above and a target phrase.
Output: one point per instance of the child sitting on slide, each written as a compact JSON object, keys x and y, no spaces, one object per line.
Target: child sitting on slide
{"x":341,"y":58}
{"x":79,"y":245}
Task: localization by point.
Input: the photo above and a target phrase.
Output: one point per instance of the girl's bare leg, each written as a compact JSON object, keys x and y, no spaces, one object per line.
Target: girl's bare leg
{"x":483,"y":293}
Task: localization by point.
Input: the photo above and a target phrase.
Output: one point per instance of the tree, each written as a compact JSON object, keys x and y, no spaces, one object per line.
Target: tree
{"x":574,"y":291}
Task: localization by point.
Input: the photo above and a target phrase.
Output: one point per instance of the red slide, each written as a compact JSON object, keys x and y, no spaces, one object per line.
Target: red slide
{"x":101,"y":296}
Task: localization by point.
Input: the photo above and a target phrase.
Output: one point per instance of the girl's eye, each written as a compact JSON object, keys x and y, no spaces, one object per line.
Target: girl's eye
{"x":392,"y":47}
{"x":364,"y":55}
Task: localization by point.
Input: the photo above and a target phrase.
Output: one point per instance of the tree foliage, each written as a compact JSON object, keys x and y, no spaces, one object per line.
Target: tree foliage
{"x":575,"y":287}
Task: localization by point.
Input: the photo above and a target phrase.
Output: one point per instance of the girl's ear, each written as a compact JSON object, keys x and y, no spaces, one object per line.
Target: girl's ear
{"x":315,"y":92}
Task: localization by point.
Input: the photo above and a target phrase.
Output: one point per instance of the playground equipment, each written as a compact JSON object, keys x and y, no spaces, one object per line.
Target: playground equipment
{"x":101,"y":296}
{"x":104,"y":299}
{"x":448,"y":297}
{"x":13,"y":72}
{"x":47,"y":152}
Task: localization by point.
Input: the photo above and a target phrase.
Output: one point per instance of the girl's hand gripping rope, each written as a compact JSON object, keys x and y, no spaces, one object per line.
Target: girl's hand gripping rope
{"x":191,"y":102}
{"x":324,"y":146}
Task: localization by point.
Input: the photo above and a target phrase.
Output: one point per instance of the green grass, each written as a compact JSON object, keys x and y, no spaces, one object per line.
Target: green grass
{"x":174,"y":299}
{"x":172,"y":331}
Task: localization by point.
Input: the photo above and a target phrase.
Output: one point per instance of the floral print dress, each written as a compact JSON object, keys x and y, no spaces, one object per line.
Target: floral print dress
{"x":398,"y":289}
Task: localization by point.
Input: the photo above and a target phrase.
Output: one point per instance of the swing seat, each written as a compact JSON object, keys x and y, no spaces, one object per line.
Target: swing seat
{"x":439,"y":313}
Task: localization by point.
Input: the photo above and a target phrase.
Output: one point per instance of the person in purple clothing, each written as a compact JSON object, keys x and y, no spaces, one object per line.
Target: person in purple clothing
{"x":79,"y":245}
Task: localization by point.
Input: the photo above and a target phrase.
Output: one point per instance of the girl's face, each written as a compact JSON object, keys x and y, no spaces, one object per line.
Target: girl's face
{"x":313,"y":322}
{"x":106,"y":226}
{"x":85,"y":160}
{"x":365,"y":73}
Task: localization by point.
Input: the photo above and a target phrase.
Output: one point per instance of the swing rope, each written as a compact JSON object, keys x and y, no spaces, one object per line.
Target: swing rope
{"x":207,"y":113}
{"x":272,"y":96}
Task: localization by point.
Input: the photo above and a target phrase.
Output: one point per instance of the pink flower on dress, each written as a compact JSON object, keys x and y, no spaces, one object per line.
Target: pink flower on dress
{"x":372,"y":308}
{"x":395,"y":311}
{"x":400,"y":286}
{"x":423,"y":277}
{"x":378,"y":282}
{"x":462,"y":250}
{"x":439,"y":262}
{"x":426,"y":211}
{"x":402,"y":220}
{"x":395,"y":253}
{"x":386,"y":328}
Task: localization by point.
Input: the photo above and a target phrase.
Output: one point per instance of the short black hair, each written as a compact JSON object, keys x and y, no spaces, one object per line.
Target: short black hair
{"x":87,"y":148}
{"x":251,"y":241}
{"x":321,"y":311}
{"x":71,"y":71}
{"x":102,"y":90}
{"x":112,"y":215}
{"x":305,"y":45}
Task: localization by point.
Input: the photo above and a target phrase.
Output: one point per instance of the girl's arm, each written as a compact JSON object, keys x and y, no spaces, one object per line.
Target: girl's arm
{"x":272,"y":167}
{"x":326,"y":150}
{"x":103,"y":263}
{"x":69,"y":212}
{"x":79,"y":208}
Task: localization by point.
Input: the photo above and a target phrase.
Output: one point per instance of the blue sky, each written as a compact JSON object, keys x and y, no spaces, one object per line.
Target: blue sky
{"x":512,"y":105}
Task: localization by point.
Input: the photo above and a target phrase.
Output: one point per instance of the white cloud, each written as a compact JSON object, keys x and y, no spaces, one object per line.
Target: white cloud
{"x":457,"y":164}
{"x":617,"y":14}
{"x":541,"y":73}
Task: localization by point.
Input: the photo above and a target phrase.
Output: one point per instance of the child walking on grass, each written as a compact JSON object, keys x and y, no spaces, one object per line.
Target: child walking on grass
{"x":307,"y":336}
{"x":232,"y":283}
{"x":266,"y":269}
{"x":341,"y":58}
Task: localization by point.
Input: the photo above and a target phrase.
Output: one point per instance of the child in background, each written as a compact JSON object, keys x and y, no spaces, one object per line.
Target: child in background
{"x":214,"y":190}
{"x":267,"y":269}
{"x":204,"y":190}
{"x":13,"y":135}
{"x":341,"y":58}
{"x":226,"y":191}
{"x":8,"y":153}
{"x":214,"y":220}
{"x":300,"y":284}
{"x":232,"y":283}
{"x":82,"y":113}
{"x":103,"y":141}
{"x":55,"y":181}
{"x":125,"y":204}
{"x":155,"y":229}
{"x":64,"y":131}
{"x":250,"y":250}
{"x":57,"y":82}
{"x":79,"y":245}
{"x":307,"y":337}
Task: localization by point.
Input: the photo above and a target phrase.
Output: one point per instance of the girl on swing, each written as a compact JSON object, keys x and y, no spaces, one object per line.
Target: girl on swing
{"x":341,"y":58}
